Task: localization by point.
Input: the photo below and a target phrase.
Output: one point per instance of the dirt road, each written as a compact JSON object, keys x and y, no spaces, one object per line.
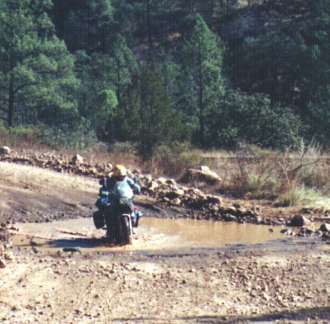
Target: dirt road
{"x":286,"y":280}
{"x":282,"y":280}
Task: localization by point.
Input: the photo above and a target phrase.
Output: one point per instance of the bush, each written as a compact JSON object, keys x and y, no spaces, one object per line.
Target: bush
{"x":299,"y":196}
{"x":79,"y":137}
{"x":261,"y":185}
{"x":252,"y":119}
{"x":173,"y":160}
{"x":20,"y":135}
{"x":123,"y":148}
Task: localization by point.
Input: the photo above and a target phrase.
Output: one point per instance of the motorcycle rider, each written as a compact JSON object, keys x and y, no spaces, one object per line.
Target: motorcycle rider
{"x":121,"y":190}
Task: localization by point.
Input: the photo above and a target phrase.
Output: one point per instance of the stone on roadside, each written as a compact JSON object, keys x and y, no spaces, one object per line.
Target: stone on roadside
{"x":77,"y":159}
{"x":202,"y":174}
{"x":213,"y":199}
{"x":5,"y":150}
{"x":299,"y":221}
{"x":2,"y":264}
{"x":325,"y":228}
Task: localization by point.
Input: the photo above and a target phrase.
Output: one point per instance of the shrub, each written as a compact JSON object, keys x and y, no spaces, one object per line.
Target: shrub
{"x":253,"y":119}
{"x":68,"y":137}
{"x":20,"y":135}
{"x":173,"y":160}
{"x":261,"y":185}
{"x":299,"y":196}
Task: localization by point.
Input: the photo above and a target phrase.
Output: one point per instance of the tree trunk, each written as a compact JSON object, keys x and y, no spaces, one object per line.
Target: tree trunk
{"x":11,"y":102}
{"x":201,"y":100}
{"x":149,"y":29}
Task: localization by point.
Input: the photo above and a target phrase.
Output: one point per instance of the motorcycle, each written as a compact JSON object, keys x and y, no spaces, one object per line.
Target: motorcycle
{"x":122,"y":223}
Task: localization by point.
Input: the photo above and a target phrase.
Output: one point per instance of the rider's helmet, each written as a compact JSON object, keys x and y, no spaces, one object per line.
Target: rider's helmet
{"x":120,"y":171}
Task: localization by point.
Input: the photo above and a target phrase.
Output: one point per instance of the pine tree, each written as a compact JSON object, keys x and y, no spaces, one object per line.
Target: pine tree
{"x":145,"y":116}
{"x":104,"y":76}
{"x":36,"y":70}
{"x":123,"y":65}
{"x":202,"y":68}
{"x":84,"y":25}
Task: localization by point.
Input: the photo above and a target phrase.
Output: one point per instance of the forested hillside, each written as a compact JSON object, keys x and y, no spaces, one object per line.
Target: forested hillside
{"x":209,"y":72}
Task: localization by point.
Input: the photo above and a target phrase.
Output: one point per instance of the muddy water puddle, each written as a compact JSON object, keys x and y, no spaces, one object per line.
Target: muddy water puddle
{"x":153,"y":234}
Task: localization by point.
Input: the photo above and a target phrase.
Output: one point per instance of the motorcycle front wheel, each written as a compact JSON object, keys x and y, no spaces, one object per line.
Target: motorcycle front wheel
{"x":126,"y":230}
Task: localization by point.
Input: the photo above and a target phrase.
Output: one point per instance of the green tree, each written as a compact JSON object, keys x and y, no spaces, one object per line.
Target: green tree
{"x":84,"y":25}
{"x":36,"y":70}
{"x":145,"y":116}
{"x":203,"y":82}
{"x":104,"y":74}
{"x":123,"y":65}
{"x":252,"y":119}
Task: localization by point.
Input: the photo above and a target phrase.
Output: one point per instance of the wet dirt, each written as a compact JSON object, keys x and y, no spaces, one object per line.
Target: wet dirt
{"x":152,"y":234}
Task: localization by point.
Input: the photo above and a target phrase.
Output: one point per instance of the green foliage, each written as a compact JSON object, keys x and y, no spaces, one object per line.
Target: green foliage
{"x":146,"y":116}
{"x":36,"y":70}
{"x":299,"y":196}
{"x":253,"y":119}
{"x":174,"y":158}
{"x":203,"y":82}
{"x":84,"y":25}
{"x":268,"y":88}
{"x":20,"y":134}
{"x":81,"y":136}
{"x":104,"y":78}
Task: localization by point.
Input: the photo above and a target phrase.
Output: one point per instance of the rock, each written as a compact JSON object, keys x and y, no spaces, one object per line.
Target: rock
{"x":229,"y":218}
{"x":147,"y":179}
{"x":286,"y":231}
{"x":299,"y":221}
{"x":203,"y":174}
{"x":162,"y":181}
{"x":5,"y":150}
{"x":77,"y":159}
{"x":176,"y":202}
{"x":171,"y":182}
{"x":325,"y":228}
{"x":305,"y":231}
{"x":178,"y":192}
{"x":212,"y":199}
{"x":259,"y":219}
{"x":9,"y":256}
{"x":153,"y":186}
{"x":2,"y":263}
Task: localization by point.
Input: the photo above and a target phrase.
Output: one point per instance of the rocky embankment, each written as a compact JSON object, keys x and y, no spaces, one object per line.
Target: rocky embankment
{"x":179,"y":195}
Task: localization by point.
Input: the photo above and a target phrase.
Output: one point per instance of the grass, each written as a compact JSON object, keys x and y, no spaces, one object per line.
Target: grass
{"x":303,"y":197}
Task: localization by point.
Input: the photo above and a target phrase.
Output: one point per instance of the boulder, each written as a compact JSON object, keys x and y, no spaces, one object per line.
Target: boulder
{"x":5,"y":150}
{"x":162,"y":181}
{"x":325,"y":228}
{"x":202,"y":174}
{"x":213,"y":199}
{"x":153,"y":186}
{"x":77,"y":159}
{"x":176,"y":202}
{"x":299,"y":221}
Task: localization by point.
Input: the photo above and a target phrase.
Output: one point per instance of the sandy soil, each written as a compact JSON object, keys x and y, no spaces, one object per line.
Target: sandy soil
{"x":285,"y":281}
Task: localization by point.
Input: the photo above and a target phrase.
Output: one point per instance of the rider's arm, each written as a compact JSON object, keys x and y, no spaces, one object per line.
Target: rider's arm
{"x":135,"y":187}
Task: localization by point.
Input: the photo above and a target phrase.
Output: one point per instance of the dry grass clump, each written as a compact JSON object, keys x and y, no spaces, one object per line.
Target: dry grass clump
{"x":173,"y":160}
{"x":302,"y":196}
{"x":291,"y":178}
